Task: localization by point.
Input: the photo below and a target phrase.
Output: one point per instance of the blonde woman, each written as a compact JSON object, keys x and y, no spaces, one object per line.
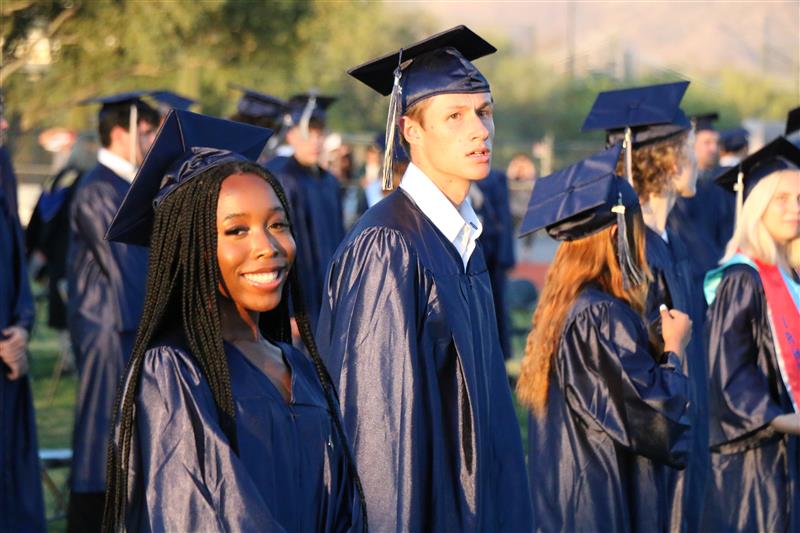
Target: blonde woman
{"x":754,"y":350}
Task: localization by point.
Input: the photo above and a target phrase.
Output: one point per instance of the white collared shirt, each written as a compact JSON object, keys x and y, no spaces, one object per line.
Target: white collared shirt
{"x":460,"y":226}
{"x":121,"y":167}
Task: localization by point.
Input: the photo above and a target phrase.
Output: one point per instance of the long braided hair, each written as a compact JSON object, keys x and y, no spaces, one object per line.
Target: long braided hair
{"x":182,"y":285}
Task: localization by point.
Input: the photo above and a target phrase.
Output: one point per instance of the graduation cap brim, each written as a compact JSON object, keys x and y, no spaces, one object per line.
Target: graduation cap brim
{"x":568,"y":200}
{"x":173,"y":100}
{"x":119,"y":98}
{"x":180,"y":131}
{"x":634,"y":107}
{"x":378,"y":73}
{"x":759,"y":164}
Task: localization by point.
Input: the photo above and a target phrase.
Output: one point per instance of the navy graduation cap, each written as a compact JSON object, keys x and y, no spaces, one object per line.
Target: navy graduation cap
{"x":259,"y":105}
{"x":439,"y":64}
{"x":172,"y":100}
{"x":792,"y":121}
{"x":779,"y":154}
{"x":186,"y":145}
{"x":304,"y":108}
{"x":639,"y":116}
{"x":112,"y":99}
{"x":581,"y":200}
{"x":704,"y":121}
{"x":734,"y":140}
{"x":131,"y":99}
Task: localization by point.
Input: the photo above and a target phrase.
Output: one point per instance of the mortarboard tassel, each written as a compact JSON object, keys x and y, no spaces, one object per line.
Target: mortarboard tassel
{"x":628,"y":147}
{"x":305,"y":118}
{"x":632,"y":275}
{"x":739,"y":188}
{"x":133,"y":130}
{"x":391,"y":127}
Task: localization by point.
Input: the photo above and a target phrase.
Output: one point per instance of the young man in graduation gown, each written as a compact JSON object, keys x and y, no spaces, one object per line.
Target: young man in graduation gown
{"x":21,"y":501}
{"x":314,"y":194}
{"x":407,"y":321}
{"x":704,"y":222}
{"x":661,"y":170}
{"x":106,"y":283}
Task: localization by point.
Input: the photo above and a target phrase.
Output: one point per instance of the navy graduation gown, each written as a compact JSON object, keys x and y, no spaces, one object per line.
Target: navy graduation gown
{"x":290,"y":472}
{"x":755,"y":469}
{"x":315,"y":202}
{"x":673,"y":285}
{"x":21,"y":500}
{"x":615,"y":420}
{"x":705,"y":224}
{"x":498,"y":245}
{"x":106,"y":296}
{"x":411,"y":339}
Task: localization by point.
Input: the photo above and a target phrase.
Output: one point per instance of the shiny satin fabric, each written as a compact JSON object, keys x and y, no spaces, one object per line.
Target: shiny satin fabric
{"x":674,"y":286}
{"x":412,"y":341}
{"x":290,"y":473}
{"x":705,"y":224}
{"x":615,"y":420}
{"x":315,"y":205}
{"x":497,"y":240}
{"x":755,"y":469}
{"x":106,"y":294}
{"x":21,"y":500}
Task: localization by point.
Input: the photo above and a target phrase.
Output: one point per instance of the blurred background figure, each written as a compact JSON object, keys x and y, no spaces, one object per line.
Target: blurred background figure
{"x":21,"y":500}
{"x":706,"y":145}
{"x":734,"y":145}
{"x":521,"y":173}
{"x":266,"y":111}
{"x":338,"y":159}
{"x":47,"y":236}
{"x":313,"y":193}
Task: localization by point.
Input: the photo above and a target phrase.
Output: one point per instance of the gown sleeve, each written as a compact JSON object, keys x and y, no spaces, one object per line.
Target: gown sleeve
{"x":368,"y":332}
{"x":743,"y":400}
{"x":613,"y":384}
{"x":190,"y":477}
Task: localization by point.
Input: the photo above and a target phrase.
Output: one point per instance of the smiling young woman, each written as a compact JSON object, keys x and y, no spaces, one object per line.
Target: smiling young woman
{"x":220,"y":423}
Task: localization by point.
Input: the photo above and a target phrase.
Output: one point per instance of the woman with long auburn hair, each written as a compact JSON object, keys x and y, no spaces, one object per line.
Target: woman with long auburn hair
{"x":609,"y":411}
{"x":754,"y":349}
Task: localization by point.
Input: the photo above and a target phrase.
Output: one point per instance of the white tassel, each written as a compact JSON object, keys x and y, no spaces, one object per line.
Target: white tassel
{"x":391,"y":127}
{"x":739,"y":188}
{"x":133,"y":130}
{"x":305,"y":118}
{"x":628,"y":146}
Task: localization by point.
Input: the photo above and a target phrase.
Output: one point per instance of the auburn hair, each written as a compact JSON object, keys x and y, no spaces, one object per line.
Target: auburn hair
{"x":655,"y":165}
{"x":591,"y":260}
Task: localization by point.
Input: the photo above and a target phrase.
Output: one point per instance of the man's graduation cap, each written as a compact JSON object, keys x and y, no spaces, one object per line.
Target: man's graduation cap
{"x":171,"y":100}
{"x":581,"y":200}
{"x":704,"y":121}
{"x":131,"y":100}
{"x":256,"y":104}
{"x":440,"y":64}
{"x":639,"y":116}
{"x":734,"y":140}
{"x":777,"y":155}
{"x":304,"y":108}
{"x":792,"y":121}
{"x":187,"y":145}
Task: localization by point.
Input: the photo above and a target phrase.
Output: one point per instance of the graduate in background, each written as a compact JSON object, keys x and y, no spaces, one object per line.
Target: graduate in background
{"x":314,"y":194}
{"x":662,"y":171}
{"x":704,"y":222}
{"x":21,"y":500}
{"x":754,"y":346}
{"x":222,"y":425}
{"x":408,"y":324}
{"x":106,"y":294}
{"x":610,"y":412}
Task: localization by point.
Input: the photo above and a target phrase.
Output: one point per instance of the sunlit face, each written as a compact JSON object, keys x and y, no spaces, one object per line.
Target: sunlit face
{"x":782,"y":216}
{"x":307,"y":149}
{"x":255,"y":247}
{"x":706,"y":149}
{"x":454,"y":139}
{"x":685,"y":179}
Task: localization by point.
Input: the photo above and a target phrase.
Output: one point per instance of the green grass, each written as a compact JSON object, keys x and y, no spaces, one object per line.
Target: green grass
{"x":53,"y":417}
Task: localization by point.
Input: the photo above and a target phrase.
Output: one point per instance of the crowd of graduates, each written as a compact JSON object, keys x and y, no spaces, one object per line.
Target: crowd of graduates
{"x":251,"y":358}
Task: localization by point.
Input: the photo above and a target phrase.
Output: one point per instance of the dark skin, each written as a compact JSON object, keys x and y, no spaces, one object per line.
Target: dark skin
{"x":255,"y":250}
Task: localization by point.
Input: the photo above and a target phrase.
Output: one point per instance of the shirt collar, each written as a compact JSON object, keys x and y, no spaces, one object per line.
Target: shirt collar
{"x":436,"y":206}
{"x":121,"y":167}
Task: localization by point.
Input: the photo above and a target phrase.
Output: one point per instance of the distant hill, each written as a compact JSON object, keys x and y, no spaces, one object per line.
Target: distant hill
{"x":696,"y":39}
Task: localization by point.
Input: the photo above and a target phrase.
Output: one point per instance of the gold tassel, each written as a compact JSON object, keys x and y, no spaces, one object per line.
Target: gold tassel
{"x":391,"y":127}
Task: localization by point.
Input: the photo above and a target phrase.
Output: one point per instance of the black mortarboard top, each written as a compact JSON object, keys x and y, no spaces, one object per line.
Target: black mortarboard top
{"x":580,"y":199}
{"x":172,"y":100}
{"x":777,"y":155}
{"x":129,"y":97}
{"x":259,"y":105}
{"x":792,"y":121}
{"x":305,"y":107}
{"x":652,"y":113}
{"x":704,"y":121}
{"x":439,"y":64}
{"x":186,"y":145}
{"x":734,"y":140}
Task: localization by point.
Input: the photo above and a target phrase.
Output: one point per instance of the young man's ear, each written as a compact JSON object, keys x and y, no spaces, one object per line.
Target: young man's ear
{"x":411,"y":130}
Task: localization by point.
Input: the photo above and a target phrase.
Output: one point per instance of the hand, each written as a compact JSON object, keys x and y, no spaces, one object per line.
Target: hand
{"x":789,"y":423}
{"x":13,"y":351}
{"x":676,"y":330}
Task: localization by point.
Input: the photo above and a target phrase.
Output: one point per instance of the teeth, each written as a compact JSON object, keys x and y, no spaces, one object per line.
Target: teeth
{"x":262,"y":277}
